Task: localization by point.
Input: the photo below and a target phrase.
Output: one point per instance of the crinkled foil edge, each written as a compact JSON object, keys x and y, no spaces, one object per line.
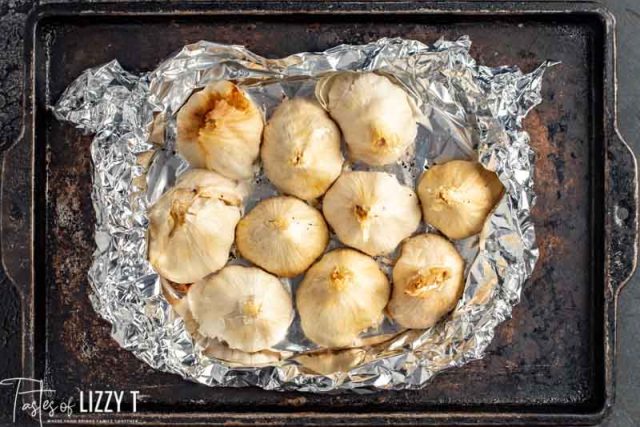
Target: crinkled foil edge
{"x":485,"y":104}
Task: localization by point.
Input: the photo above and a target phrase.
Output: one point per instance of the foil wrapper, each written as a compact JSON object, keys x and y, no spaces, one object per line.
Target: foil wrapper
{"x":468,"y":111}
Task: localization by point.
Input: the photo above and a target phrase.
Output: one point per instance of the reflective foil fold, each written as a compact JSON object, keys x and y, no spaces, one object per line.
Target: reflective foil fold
{"x":468,"y":111}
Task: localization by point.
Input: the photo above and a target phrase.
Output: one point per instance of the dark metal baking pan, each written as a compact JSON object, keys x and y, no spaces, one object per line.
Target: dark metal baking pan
{"x":553,"y":362}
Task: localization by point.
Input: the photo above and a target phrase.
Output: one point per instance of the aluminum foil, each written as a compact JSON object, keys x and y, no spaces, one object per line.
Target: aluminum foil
{"x":468,"y":111}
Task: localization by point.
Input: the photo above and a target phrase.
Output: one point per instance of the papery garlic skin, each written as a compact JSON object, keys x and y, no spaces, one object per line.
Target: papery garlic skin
{"x":236,"y":357}
{"x":330,"y":362}
{"x":371,"y":211}
{"x":301,"y":149}
{"x":428,"y":281}
{"x":220,"y":128}
{"x":191,"y":227}
{"x":283,"y":235}
{"x":341,"y":295}
{"x":375,"y":115}
{"x":457,"y":197}
{"x":245,"y":307}
{"x":182,"y":309}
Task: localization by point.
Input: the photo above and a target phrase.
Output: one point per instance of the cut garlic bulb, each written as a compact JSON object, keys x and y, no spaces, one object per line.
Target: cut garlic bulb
{"x":283,"y":235}
{"x":301,"y":149}
{"x":375,"y":115}
{"x":457,"y":197}
{"x":341,"y":296}
{"x":371,"y":211}
{"x":245,"y":307}
{"x":191,"y":227}
{"x":219,"y":128}
{"x":428,"y":280}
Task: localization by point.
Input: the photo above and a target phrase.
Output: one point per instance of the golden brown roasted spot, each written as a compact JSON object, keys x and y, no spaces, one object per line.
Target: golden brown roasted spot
{"x":340,"y":277}
{"x":383,"y":142}
{"x":450,"y":195}
{"x":220,"y":105}
{"x":422,"y":282}
{"x":380,"y":142}
{"x":180,"y":206}
{"x":279,"y":223}
{"x":296,"y":160}
{"x":227,"y":200}
{"x":361,"y":213}
{"x":251,"y":309}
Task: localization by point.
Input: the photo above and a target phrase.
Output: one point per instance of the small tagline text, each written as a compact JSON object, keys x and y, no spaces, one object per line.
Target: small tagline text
{"x":34,"y":399}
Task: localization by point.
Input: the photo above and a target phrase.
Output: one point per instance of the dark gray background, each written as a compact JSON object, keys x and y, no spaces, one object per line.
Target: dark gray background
{"x":627,"y":12}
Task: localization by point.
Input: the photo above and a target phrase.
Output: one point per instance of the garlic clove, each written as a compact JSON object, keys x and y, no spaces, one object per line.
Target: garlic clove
{"x":341,"y":295}
{"x":428,"y":281}
{"x":457,"y":197}
{"x":371,"y":211}
{"x":283,"y":235}
{"x":301,"y":149}
{"x":220,"y":128}
{"x":375,"y":115}
{"x":191,"y":227}
{"x":245,"y":307}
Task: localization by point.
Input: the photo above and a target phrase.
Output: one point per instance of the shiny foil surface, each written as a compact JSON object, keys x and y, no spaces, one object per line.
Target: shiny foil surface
{"x":468,"y":111}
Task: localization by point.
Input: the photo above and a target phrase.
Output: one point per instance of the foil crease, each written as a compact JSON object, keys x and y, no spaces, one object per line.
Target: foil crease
{"x":468,"y":110}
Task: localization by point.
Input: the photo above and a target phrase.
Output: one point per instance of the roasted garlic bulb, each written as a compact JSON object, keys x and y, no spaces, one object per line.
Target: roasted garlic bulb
{"x":301,"y":149}
{"x":214,"y":347}
{"x":341,"y":296}
{"x":428,"y":280}
{"x":375,"y":115}
{"x":283,"y":235}
{"x":371,"y":211}
{"x":191,"y":227}
{"x":220,"y":128}
{"x":457,"y":197}
{"x":245,"y":307}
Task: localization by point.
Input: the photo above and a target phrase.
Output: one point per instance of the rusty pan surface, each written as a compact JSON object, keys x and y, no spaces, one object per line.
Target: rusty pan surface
{"x":552,"y":362}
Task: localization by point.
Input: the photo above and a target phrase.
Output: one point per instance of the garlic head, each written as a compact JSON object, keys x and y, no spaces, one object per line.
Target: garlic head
{"x":220,"y":128}
{"x":245,"y":307}
{"x":301,"y":149}
{"x":428,"y":280}
{"x":341,"y":296}
{"x":213,"y":347}
{"x":457,"y":197}
{"x":371,"y":211}
{"x":375,"y":115}
{"x":283,"y":235}
{"x":191,"y":227}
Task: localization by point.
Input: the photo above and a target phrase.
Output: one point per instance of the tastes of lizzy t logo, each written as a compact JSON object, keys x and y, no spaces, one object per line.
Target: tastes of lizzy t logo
{"x":32,"y":398}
